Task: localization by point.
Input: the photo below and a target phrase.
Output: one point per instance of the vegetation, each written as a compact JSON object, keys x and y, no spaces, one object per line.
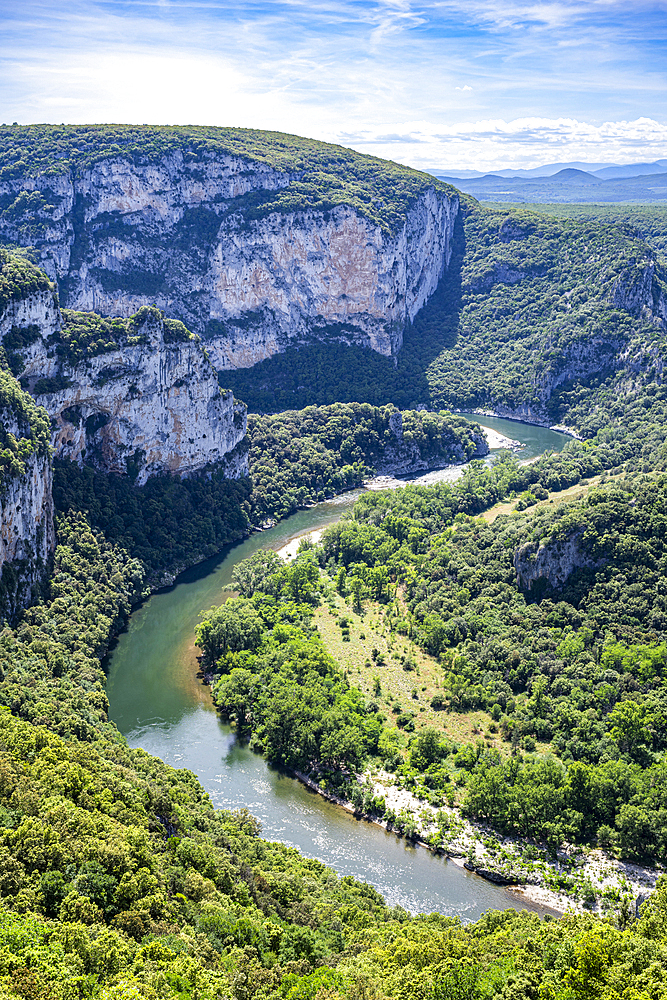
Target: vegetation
{"x":86,"y":334}
{"x":278,"y":681}
{"x":648,"y":222}
{"x":168,"y":523}
{"x":321,"y":176}
{"x":119,"y":881}
{"x":576,"y":664}
{"x":312,"y":454}
{"x":530,"y":310}
{"x":32,"y":427}
{"x":19,"y":276}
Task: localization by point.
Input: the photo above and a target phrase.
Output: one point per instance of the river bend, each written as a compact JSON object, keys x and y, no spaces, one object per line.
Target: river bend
{"x":158,"y":703}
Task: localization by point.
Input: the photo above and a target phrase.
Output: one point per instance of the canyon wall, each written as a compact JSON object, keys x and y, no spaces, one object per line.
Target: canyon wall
{"x":199,"y":239}
{"x":137,"y":397}
{"x":27,"y":536}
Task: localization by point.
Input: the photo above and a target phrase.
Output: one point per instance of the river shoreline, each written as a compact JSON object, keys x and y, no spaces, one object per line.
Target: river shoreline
{"x":542,"y":898}
{"x":613,"y":877}
{"x":495,"y":439}
{"x":587,"y":871}
{"x":559,"y":428}
{"x":156,"y":706}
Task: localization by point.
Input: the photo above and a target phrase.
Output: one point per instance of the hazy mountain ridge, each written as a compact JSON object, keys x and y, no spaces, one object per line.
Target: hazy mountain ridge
{"x":570,"y":183}
{"x":600,"y":170}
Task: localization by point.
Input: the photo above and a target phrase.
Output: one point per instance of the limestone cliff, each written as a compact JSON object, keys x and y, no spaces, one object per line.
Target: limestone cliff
{"x":202,"y":236}
{"x":136,"y":396}
{"x":550,"y":563}
{"x":27,"y":536}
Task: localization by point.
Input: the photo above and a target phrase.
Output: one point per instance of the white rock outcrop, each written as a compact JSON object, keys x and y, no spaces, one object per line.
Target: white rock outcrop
{"x":551,"y":562}
{"x":183,"y":235}
{"x":149,"y":405}
{"x":27,"y":534}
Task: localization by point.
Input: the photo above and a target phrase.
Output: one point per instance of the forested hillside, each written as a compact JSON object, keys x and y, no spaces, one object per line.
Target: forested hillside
{"x":119,"y":881}
{"x":553,"y":622}
{"x":319,"y":176}
{"x":649,"y":222}
{"x":531,"y":310}
{"x":311,"y":454}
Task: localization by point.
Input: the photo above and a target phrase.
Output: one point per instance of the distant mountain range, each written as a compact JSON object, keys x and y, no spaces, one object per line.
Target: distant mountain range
{"x":567,"y":182}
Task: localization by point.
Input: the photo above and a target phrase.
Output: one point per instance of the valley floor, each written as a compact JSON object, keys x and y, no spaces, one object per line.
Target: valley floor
{"x":401,"y":677}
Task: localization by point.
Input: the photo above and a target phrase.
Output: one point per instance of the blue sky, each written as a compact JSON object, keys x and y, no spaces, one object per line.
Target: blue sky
{"x":439,"y":84}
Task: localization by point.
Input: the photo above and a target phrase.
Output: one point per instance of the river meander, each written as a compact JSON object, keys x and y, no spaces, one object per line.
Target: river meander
{"x":158,"y":703}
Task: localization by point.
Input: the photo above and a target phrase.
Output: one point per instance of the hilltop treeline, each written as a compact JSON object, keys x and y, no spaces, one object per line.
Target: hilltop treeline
{"x":319,"y":176}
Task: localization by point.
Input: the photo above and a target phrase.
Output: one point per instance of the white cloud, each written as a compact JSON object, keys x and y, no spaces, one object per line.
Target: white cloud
{"x":523,"y":142}
{"x":382,"y":75}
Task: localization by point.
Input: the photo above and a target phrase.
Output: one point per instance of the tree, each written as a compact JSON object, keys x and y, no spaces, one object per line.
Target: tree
{"x":460,"y":982}
{"x":234,"y":694}
{"x":629,"y":729}
{"x":425,"y":748}
{"x":357,"y":589}
{"x":256,"y":573}
{"x":233,"y":626}
{"x":301,"y":578}
{"x":343,"y":747}
{"x":636,"y":833}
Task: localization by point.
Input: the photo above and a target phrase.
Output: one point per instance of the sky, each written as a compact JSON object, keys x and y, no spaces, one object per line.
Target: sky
{"x":439,"y":85}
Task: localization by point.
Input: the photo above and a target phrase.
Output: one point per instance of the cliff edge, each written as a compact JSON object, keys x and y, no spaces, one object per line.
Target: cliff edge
{"x":255,"y":240}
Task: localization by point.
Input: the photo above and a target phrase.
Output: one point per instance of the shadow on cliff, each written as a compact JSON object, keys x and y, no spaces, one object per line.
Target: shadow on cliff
{"x":436,"y":326}
{"x":322,"y":373}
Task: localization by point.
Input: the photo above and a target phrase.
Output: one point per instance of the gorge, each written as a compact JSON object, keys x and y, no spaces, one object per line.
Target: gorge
{"x":491,"y":645}
{"x":252,"y":243}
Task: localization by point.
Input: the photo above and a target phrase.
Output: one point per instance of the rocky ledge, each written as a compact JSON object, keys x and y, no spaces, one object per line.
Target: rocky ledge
{"x":137,"y":397}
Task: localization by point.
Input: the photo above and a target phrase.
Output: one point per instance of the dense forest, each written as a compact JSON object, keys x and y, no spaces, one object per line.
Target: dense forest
{"x":311,"y":454}
{"x":168,"y":523}
{"x":118,"y":880}
{"x":648,"y":222}
{"x":554,"y":622}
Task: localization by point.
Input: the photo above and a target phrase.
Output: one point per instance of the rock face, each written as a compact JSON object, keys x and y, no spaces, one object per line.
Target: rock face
{"x":137,"y":396}
{"x":551,"y":563}
{"x":403,"y":457}
{"x":187,"y":237}
{"x":637,"y":291}
{"x":27,"y":536}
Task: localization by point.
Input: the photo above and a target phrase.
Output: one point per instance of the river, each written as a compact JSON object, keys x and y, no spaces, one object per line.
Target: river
{"x":158,"y":703}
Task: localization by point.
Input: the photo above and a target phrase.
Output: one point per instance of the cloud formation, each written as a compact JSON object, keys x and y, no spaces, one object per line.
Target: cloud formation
{"x":441,"y":83}
{"x":523,"y":142}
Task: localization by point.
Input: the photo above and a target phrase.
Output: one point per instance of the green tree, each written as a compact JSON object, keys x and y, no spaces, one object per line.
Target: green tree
{"x":233,"y":626}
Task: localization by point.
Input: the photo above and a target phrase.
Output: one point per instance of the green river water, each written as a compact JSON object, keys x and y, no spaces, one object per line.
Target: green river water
{"x":158,"y":703}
